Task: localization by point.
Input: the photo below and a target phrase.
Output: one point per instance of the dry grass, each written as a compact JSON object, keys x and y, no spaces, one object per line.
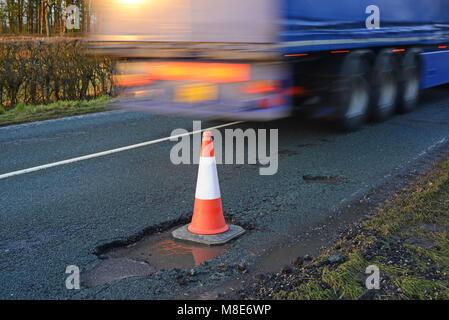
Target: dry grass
{"x":408,"y":241}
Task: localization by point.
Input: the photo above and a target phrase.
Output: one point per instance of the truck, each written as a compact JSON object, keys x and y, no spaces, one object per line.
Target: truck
{"x":349,"y":61}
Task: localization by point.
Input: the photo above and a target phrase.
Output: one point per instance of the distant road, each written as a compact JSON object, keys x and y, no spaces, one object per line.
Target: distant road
{"x":116,"y":179}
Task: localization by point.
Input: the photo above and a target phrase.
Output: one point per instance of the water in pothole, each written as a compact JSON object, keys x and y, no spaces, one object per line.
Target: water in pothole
{"x":145,"y":257}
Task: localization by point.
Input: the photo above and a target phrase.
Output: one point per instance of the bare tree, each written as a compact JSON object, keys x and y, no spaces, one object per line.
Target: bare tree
{"x":40,"y":17}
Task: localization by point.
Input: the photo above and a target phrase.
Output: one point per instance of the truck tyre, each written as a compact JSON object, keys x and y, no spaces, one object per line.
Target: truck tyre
{"x":384,"y":86}
{"x":351,"y":94}
{"x":409,"y":82}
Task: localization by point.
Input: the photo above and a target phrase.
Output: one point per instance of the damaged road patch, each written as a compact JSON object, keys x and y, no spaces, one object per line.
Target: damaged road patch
{"x":115,"y":269}
{"x":155,"y":252}
{"x":322,"y":179}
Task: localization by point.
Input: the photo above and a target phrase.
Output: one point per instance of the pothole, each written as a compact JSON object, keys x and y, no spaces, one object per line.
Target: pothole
{"x":147,"y":256}
{"x":322,"y":179}
{"x":114,"y":269}
{"x":288,"y":153}
{"x":164,"y":252}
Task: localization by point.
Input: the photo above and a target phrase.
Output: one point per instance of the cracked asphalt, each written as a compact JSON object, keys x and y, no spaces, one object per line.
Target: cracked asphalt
{"x":61,"y":216}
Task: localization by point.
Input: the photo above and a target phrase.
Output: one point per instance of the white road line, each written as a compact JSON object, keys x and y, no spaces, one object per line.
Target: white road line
{"x":108,"y":152}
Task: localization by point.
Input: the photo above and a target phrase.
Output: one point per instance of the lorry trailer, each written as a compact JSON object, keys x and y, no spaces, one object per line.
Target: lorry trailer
{"x":350,"y":61}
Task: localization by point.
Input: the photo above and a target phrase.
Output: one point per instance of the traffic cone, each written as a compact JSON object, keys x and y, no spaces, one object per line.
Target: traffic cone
{"x":208,"y":212}
{"x":208,"y":225}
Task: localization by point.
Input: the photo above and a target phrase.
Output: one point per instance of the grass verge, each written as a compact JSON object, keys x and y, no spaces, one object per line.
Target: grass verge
{"x":27,"y":113}
{"x":408,"y":240}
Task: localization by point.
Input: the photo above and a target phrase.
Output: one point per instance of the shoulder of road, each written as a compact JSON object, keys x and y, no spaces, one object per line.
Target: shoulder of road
{"x":30,"y":113}
{"x":407,"y":239}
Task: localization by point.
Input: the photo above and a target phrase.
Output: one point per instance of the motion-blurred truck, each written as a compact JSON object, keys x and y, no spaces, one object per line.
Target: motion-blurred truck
{"x":347,"y":60}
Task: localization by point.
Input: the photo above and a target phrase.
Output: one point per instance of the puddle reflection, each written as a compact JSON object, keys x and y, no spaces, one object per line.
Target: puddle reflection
{"x":163,"y":252}
{"x":145,"y":257}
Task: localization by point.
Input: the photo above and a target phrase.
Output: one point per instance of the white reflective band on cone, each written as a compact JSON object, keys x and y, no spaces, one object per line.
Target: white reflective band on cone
{"x":207,"y":187}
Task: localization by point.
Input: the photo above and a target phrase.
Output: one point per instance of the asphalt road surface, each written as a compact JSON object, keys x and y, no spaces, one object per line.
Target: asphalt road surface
{"x":60,"y":214}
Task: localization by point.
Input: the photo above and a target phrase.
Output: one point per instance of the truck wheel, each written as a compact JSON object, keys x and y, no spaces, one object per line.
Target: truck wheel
{"x":352,"y":93}
{"x":410,"y":82}
{"x":384,"y":86}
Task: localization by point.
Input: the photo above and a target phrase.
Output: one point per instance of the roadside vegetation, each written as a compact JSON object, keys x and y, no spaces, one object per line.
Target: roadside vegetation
{"x":408,"y":239}
{"x":43,"y":17}
{"x":28,"y":113}
{"x":36,"y":72}
{"x":49,"y":78}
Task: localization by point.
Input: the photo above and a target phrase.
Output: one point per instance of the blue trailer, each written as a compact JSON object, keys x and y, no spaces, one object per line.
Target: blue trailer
{"x":347,"y":24}
{"x":348,"y":60}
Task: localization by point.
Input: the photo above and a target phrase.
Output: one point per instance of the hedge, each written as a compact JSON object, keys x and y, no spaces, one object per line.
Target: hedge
{"x":40,"y":72}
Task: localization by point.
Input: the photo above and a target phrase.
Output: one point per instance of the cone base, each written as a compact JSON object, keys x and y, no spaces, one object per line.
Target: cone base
{"x":207,"y":232}
{"x":183,"y":233}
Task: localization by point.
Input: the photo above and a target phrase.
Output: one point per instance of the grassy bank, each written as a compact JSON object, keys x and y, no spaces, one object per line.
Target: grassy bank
{"x":408,"y":240}
{"x":27,"y":113}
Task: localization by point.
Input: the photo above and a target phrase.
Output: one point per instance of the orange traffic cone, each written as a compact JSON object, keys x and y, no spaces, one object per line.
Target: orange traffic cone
{"x":208,"y":212}
{"x":208,"y":225}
